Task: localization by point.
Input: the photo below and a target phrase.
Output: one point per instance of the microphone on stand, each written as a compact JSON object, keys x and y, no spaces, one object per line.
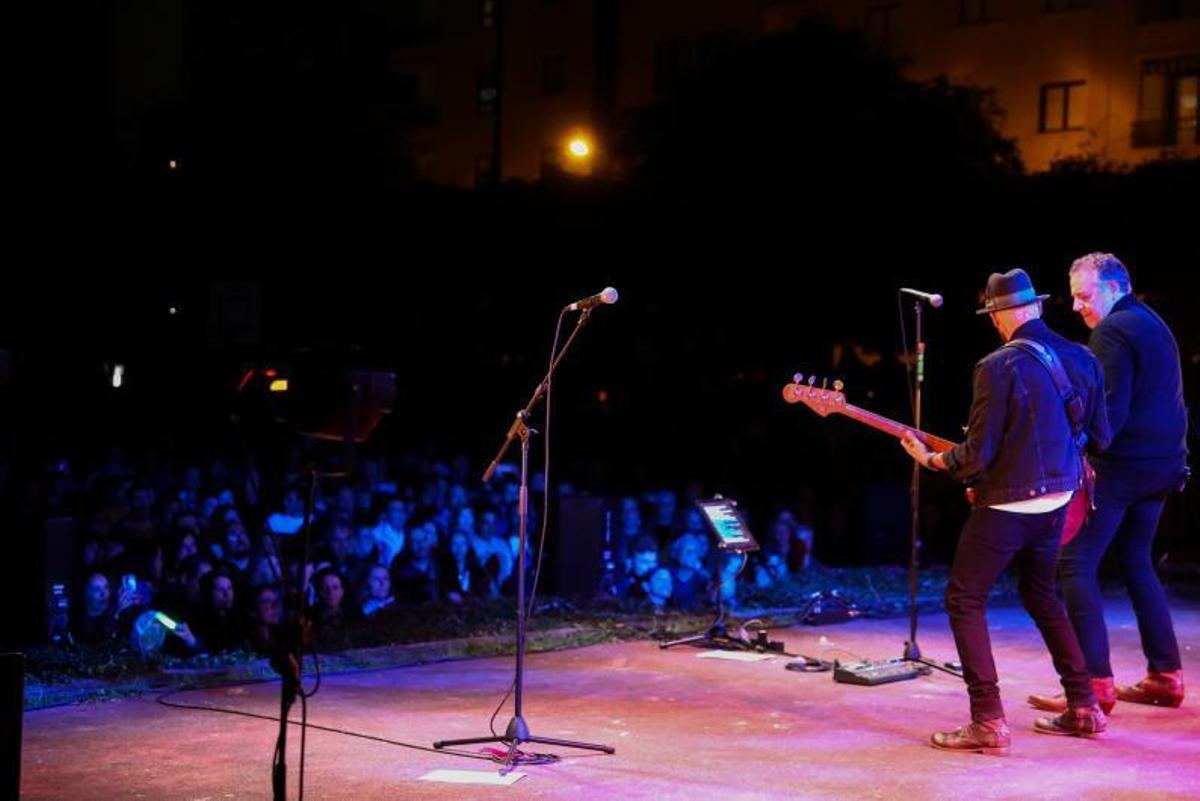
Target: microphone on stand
{"x":606,"y":296}
{"x":932,"y":299}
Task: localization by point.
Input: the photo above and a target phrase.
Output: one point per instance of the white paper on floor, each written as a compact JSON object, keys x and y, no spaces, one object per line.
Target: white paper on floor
{"x":735,"y":656}
{"x":471,"y":777}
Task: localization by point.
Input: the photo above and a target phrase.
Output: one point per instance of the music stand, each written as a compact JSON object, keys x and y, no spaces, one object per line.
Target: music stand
{"x":727,"y":524}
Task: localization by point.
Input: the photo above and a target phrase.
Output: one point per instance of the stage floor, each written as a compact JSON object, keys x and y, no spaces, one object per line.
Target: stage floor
{"x":683,"y":728}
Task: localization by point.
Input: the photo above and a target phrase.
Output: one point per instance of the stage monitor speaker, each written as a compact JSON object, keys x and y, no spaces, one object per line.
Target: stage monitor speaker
{"x":579,"y":545}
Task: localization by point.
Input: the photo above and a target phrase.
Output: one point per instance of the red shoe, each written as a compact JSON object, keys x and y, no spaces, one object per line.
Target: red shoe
{"x":1106,"y":696}
{"x":990,"y":737}
{"x":1158,"y":689}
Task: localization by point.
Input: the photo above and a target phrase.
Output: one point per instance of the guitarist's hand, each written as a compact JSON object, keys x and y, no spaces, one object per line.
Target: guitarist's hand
{"x":921,"y":454}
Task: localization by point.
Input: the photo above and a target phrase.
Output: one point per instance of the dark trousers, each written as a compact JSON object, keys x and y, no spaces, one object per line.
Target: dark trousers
{"x":1129,"y":503}
{"x":990,"y":541}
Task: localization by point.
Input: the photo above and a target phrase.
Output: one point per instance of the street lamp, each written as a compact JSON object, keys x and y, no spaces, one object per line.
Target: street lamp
{"x":579,"y":148}
{"x":579,"y":154}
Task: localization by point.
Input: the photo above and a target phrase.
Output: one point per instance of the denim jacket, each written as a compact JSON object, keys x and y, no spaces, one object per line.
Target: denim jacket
{"x":1019,"y":443}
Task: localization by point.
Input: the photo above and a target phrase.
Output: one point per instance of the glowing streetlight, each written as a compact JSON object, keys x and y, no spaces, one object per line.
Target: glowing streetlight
{"x":579,"y":148}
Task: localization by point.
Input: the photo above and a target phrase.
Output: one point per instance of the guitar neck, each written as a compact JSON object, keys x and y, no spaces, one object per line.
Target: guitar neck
{"x":889,"y":426}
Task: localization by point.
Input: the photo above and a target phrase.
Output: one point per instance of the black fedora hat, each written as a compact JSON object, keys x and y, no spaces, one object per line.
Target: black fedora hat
{"x":1008,"y":290}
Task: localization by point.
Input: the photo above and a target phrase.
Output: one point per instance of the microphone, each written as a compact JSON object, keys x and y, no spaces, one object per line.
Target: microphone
{"x":933,"y":300}
{"x":607,"y":296}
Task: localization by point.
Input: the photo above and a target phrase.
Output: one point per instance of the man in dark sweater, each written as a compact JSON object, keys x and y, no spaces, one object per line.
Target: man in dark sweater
{"x":1022,"y":456}
{"x":1146,"y":461}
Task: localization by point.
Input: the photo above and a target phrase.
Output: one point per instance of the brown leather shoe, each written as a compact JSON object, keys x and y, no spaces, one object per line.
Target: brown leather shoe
{"x":1159,"y":689}
{"x":1106,"y":696}
{"x":991,"y":737}
{"x":1079,"y":721}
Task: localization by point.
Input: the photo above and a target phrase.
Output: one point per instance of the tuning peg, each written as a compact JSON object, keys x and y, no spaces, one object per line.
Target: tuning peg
{"x":838,"y":386}
{"x":797,"y":378}
{"x":812,"y":379}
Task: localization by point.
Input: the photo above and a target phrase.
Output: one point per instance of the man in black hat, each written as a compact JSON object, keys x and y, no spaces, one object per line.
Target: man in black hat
{"x":1036,"y":400}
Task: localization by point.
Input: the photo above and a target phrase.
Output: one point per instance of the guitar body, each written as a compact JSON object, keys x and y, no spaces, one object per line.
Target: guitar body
{"x":1080,"y":505}
{"x":1077,"y":511}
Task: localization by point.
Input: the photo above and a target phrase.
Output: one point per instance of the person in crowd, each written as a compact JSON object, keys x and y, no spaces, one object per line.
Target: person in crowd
{"x":98,"y":621}
{"x":378,"y":593}
{"x":642,"y":563}
{"x":331,"y":614}
{"x":461,"y":576}
{"x":387,"y":535}
{"x":658,"y":588}
{"x":415,"y":573}
{"x":290,"y":516}
{"x":338,"y":551}
{"x":236,"y":546}
{"x":491,"y":547}
{"x":689,"y":578}
{"x":218,"y":627}
{"x":266,"y":620}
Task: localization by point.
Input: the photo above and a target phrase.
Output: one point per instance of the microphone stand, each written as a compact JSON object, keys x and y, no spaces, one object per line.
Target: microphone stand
{"x":912,"y":651}
{"x":288,"y":658}
{"x":517,"y":731}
